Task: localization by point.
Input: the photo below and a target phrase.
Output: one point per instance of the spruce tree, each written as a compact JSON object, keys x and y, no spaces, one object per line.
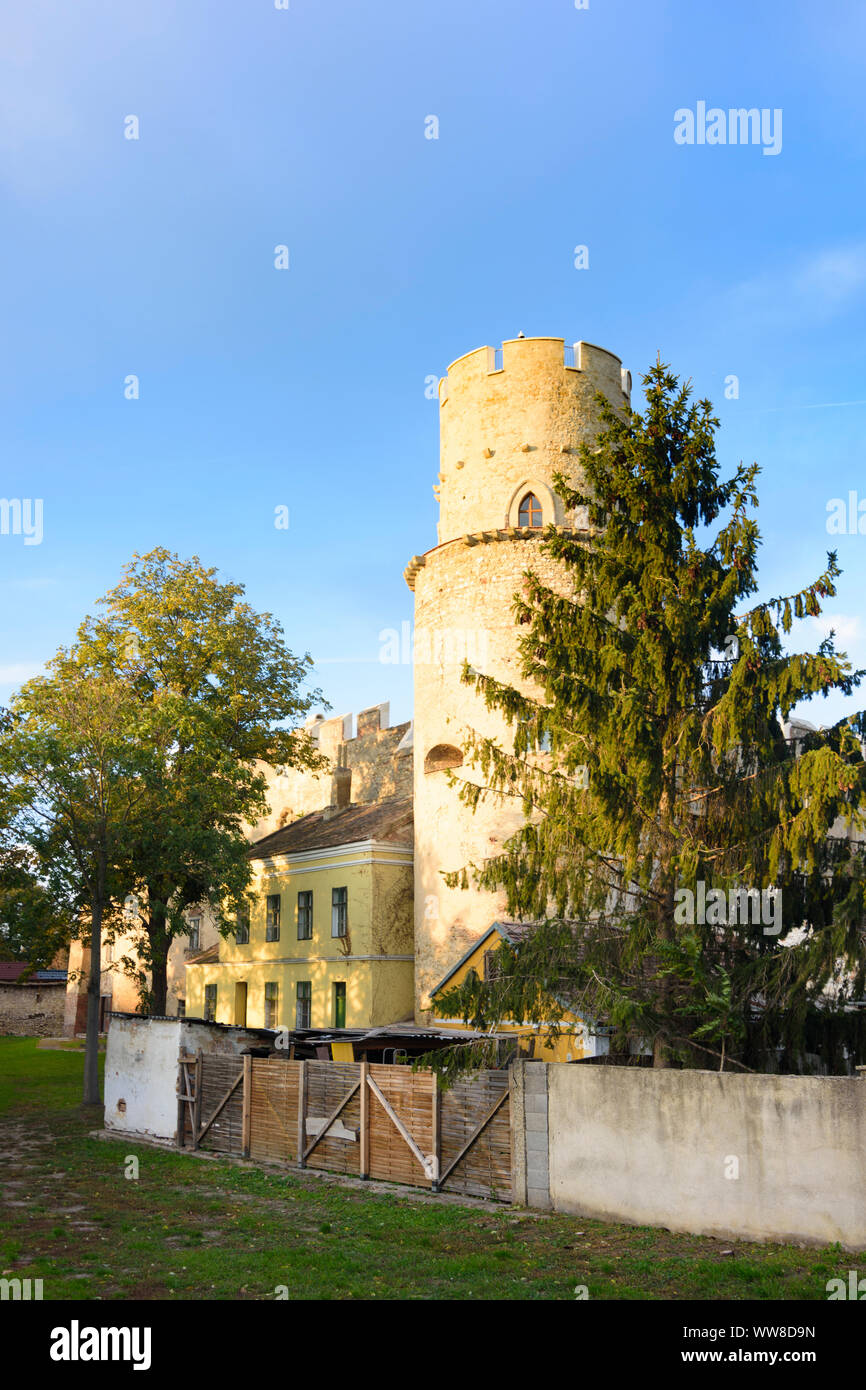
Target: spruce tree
{"x":657,"y":781}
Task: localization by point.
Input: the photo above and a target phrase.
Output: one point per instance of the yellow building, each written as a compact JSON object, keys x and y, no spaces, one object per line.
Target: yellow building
{"x":328,"y":943}
{"x":577,"y":1039}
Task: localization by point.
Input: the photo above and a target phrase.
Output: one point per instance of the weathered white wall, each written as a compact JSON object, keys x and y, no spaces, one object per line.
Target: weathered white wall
{"x":658,"y":1148}
{"x":141,"y":1076}
{"x":141,"y":1068}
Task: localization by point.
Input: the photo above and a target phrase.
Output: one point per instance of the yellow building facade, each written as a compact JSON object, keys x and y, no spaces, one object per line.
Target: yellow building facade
{"x":577,"y":1039}
{"x":329,"y":939}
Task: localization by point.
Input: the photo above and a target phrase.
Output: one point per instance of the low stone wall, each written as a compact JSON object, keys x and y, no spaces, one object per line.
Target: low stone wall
{"x":33,"y":1009}
{"x":722,"y":1154}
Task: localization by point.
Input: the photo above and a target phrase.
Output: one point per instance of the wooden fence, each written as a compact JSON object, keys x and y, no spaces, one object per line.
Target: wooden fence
{"x":383,"y":1122}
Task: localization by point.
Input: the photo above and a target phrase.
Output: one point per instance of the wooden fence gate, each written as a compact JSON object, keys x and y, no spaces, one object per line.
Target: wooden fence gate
{"x":381,"y":1122}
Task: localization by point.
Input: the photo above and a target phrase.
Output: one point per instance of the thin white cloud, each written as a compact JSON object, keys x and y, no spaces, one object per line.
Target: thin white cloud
{"x":818,"y":286}
{"x":834,"y":276}
{"x":57,"y":89}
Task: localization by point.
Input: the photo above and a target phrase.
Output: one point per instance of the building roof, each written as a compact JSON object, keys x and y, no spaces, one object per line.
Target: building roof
{"x":385,"y":821}
{"x":12,"y":970}
{"x":394,"y":1033}
{"x":205,"y":955}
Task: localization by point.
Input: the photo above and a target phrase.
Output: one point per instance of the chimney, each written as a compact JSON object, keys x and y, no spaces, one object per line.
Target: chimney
{"x":341,"y":782}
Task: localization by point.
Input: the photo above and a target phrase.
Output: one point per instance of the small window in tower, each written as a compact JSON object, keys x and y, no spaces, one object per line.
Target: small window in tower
{"x":530,"y":511}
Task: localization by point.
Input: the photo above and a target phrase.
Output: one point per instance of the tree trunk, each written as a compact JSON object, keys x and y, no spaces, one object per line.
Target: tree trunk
{"x":159,"y":986}
{"x":159,"y":946}
{"x":94,"y":984}
{"x":660,"y":1053}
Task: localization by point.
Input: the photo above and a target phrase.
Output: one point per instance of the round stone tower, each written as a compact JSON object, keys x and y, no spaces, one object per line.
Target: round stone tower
{"x":510,"y":418}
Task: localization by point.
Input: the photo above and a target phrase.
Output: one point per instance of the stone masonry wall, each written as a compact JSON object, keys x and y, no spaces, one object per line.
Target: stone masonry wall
{"x":379,"y":771}
{"x":507,"y":427}
{"x":503,"y":430}
{"x":469,"y":590}
{"x":32,"y":1010}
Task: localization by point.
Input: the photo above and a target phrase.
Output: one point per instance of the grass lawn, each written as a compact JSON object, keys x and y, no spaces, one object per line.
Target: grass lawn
{"x":190,"y":1228}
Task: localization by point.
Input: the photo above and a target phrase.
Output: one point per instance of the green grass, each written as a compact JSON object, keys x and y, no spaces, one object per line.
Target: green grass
{"x":39,"y":1079}
{"x":190,"y":1228}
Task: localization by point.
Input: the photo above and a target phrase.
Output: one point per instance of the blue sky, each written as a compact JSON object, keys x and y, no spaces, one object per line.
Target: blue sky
{"x":305,"y":388}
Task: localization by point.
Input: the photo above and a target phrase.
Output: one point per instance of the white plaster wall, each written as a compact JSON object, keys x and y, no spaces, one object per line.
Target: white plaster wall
{"x":141,"y":1070}
{"x":654,"y":1147}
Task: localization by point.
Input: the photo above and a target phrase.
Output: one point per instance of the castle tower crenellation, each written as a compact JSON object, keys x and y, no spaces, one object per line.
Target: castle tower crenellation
{"x":511,"y":418}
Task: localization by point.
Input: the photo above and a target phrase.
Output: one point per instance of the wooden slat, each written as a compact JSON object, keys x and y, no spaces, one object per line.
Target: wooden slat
{"x":437,"y":1132}
{"x":485,"y":1169}
{"x":246,"y":1119}
{"x":327,"y":1084}
{"x":395,"y":1118}
{"x":473,"y":1137}
{"x":274,"y":1109}
{"x":410,"y":1131}
{"x":199,"y":1087}
{"x":302,"y":1114}
{"x":182,"y":1086}
{"x":226,"y":1098}
{"x":331,"y":1118}
{"x":365,"y":1121}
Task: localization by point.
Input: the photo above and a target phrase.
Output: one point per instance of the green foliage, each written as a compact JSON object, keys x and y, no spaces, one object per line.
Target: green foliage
{"x":206,"y":692}
{"x":456,"y":1061}
{"x":74,"y":770}
{"x":648,"y":750}
{"x":73,"y":773}
{"x":184,"y":641}
{"x":33,"y":925}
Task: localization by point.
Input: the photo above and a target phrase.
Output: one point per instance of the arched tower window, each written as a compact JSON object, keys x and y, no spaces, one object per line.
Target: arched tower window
{"x":530,"y":511}
{"x":444,"y":755}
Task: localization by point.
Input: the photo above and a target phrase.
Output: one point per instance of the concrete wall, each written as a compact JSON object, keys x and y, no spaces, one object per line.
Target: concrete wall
{"x":760,"y":1157}
{"x":141,"y":1069}
{"x":32,"y":1009}
{"x":141,"y":1076}
{"x":530,"y":1139}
